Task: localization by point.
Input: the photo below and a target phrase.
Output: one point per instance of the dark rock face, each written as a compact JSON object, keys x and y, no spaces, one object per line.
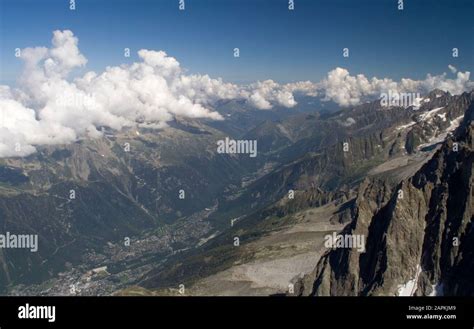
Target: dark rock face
{"x":418,"y":233}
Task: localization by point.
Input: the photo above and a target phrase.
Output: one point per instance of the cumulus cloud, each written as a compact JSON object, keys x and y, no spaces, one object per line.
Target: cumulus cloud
{"x":303,"y":87}
{"x":348,"y":90}
{"x":19,"y":128}
{"x":49,"y":107}
{"x":263,"y":94}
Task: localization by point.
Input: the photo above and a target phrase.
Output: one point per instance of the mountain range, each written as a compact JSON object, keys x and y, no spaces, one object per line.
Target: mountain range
{"x":160,"y":212}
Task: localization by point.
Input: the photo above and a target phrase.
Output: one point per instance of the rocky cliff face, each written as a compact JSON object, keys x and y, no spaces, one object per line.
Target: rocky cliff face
{"x":419,"y":235}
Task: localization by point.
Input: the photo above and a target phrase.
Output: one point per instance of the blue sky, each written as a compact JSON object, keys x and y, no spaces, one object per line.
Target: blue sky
{"x":274,"y":43}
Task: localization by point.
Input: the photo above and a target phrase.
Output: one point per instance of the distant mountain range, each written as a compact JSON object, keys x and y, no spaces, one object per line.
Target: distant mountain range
{"x":155,"y":209}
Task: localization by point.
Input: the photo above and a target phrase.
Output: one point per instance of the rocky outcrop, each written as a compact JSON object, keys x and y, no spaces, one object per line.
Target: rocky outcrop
{"x":419,"y":235}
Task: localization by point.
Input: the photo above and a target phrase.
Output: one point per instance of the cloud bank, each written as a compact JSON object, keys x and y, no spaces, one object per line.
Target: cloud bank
{"x":48,"y":107}
{"x":348,"y":90}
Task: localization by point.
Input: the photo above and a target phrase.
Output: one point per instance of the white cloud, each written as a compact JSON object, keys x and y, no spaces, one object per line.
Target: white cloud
{"x":263,"y":94}
{"x":20,"y":130}
{"x":50,"y":108}
{"x":304,"y":87}
{"x":452,"y":68}
{"x":348,"y":90}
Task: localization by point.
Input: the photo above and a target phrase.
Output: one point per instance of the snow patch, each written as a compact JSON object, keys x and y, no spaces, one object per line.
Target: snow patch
{"x":437,"y":290}
{"x":408,"y":289}
{"x":455,"y":123}
{"x":442,"y":116}
{"x":405,"y":126}
{"x":427,"y":115}
{"x":441,"y":137}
